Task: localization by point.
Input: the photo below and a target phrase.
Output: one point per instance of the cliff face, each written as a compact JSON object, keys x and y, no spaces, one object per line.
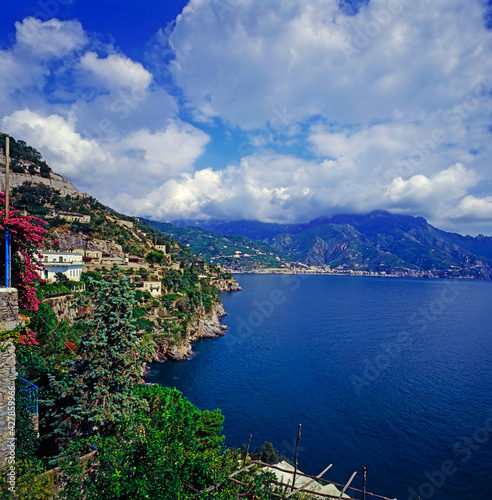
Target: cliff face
{"x":207,"y":326}
{"x":55,"y":181}
{"x":228,"y":285}
{"x":70,"y":240}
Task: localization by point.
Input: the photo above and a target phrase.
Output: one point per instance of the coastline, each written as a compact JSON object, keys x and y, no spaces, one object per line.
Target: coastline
{"x":206,"y":326}
{"x":351,"y":272}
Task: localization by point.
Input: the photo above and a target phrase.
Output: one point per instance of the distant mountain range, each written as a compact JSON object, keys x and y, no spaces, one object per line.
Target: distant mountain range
{"x":374,"y":242}
{"x":235,"y":252}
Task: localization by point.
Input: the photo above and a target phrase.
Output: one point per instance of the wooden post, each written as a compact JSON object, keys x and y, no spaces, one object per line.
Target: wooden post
{"x":247,"y":449}
{"x":364,"y":476}
{"x":296,"y":464}
{"x":347,"y":485}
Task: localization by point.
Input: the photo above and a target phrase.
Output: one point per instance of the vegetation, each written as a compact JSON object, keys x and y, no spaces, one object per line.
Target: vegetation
{"x":27,"y":237}
{"x":102,"y":433}
{"x":233,"y":251}
{"x":97,"y":383}
{"x":149,"y":441}
{"x":374,"y":242}
{"x":19,"y":150}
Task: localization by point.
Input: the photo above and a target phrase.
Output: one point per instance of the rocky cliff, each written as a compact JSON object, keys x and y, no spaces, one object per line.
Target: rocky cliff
{"x":207,"y":326}
{"x":55,"y":181}
{"x":228,"y":285}
{"x":69,"y":240}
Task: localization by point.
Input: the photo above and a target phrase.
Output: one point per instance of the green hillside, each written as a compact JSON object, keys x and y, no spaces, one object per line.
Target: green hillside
{"x":235,"y":252}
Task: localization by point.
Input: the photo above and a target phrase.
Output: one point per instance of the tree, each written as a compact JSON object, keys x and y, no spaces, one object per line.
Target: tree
{"x":45,"y":170}
{"x":62,"y":279}
{"x":97,"y":389}
{"x":155,"y":257}
{"x":209,"y":429}
{"x":159,"y":453}
{"x":267,"y":453}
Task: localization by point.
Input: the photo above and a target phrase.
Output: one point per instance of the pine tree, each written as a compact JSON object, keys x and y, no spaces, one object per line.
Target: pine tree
{"x":209,"y":429}
{"x":96,"y":391}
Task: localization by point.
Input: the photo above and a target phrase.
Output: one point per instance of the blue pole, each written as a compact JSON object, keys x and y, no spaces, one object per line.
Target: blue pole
{"x":8,"y":252}
{"x":8,"y":279}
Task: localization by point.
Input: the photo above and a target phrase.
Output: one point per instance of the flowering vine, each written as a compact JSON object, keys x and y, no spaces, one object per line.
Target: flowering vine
{"x":27,"y":238}
{"x":22,"y":334}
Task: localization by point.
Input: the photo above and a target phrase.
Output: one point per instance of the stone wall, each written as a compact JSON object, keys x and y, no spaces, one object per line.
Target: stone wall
{"x":9,"y":319}
{"x":63,"y":307}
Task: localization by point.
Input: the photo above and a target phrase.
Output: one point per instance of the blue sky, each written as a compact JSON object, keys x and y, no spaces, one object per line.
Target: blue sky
{"x":272,"y":110}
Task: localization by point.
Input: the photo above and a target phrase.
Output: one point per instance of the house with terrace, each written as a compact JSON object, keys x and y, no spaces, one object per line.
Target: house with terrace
{"x":68,"y":263}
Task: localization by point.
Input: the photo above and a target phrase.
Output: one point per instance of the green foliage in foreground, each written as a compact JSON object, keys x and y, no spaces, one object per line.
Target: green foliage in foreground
{"x":167,"y":452}
{"x":96,"y":390}
{"x":149,"y":441}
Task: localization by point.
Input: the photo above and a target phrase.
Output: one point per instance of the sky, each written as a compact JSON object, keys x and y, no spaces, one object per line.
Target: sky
{"x":275,"y":110}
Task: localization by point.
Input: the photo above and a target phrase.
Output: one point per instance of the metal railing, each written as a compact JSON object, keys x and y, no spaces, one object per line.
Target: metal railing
{"x":28,"y":393}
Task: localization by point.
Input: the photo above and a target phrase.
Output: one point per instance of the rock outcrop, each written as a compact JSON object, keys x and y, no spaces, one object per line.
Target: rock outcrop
{"x":228,"y":285}
{"x":55,"y":181}
{"x":207,"y":326}
{"x":70,"y":240}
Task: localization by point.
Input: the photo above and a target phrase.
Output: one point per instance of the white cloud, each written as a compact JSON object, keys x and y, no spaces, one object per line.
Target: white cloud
{"x":385,"y":109}
{"x":56,"y":138}
{"x":51,"y":38}
{"x":134,"y":165}
{"x":175,"y":148}
{"x":443,"y":188}
{"x":267,"y":187}
{"x":116,"y":71}
{"x":244,"y":60}
{"x":30,"y":62}
{"x":472,"y":208}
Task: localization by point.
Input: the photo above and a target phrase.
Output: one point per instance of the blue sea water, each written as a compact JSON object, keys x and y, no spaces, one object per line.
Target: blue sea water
{"x":393,"y":374}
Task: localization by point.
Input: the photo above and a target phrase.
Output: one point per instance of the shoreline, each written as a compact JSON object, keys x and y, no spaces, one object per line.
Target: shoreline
{"x":373,"y":274}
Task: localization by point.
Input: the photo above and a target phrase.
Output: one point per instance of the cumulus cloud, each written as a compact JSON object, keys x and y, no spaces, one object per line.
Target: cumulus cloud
{"x":116,"y":71}
{"x":388,"y":108}
{"x":175,"y":148}
{"x":313,"y":59}
{"x":267,"y":187}
{"x":472,"y":208}
{"x":133,"y":165}
{"x":443,"y":188}
{"x":27,"y":65}
{"x":55,"y":136}
{"x":51,"y":38}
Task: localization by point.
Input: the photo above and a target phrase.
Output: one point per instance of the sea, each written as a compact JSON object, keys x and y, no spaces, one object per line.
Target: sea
{"x":391,"y":374}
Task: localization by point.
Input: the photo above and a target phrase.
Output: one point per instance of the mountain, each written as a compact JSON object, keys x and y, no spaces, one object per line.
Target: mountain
{"x":236,"y":252}
{"x":374,"y":242}
{"x":252,"y":229}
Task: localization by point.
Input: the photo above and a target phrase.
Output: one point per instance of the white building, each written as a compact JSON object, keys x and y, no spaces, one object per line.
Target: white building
{"x":68,"y":263}
{"x":154,"y":287}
